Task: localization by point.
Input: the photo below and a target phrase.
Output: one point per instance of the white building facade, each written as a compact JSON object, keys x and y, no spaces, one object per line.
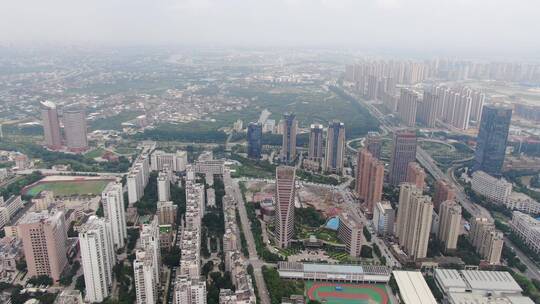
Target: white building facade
{"x":113,"y":209}
{"x":494,"y":189}
{"x":97,"y":258}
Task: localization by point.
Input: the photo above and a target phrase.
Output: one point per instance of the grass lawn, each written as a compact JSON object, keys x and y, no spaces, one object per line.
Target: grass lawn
{"x":98,"y":152}
{"x":321,"y":234}
{"x":93,"y":187}
{"x":341,"y":257}
{"x":125,"y":151}
{"x":347,"y":293}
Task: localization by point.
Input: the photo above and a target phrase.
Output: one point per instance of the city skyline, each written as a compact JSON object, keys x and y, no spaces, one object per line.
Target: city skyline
{"x":210,"y":152}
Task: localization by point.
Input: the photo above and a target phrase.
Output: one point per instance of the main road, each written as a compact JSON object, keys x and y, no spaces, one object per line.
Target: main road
{"x":252,"y":250}
{"x":533,"y":271}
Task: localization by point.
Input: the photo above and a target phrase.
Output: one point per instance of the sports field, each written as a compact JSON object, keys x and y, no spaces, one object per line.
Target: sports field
{"x":326,"y":292}
{"x":69,"y":188}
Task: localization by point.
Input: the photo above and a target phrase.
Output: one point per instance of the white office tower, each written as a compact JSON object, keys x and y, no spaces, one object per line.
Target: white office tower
{"x":113,"y":208}
{"x":164,"y":187}
{"x":189,"y":291}
{"x":97,"y":258}
{"x":146,"y":286}
{"x":181,"y":161}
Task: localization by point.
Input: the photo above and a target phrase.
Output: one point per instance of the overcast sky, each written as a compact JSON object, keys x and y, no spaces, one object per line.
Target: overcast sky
{"x":505,"y":26}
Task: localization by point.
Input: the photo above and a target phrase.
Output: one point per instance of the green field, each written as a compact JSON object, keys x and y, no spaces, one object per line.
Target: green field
{"x":93,"y":187}
{"x":326,"y":292}
{"x":98,"y":152}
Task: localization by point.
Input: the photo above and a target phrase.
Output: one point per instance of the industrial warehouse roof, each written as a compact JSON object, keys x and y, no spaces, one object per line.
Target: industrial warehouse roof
{"x":491,"y":280}
{"x":366,"y":269}
{"x":413,"y":288}
{"x":450,"y":278}
{"x":455,"y":283}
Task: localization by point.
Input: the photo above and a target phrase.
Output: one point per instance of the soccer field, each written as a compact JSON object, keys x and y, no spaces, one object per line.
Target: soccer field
{"x":347,"y":293}
{"x":68,"y":188}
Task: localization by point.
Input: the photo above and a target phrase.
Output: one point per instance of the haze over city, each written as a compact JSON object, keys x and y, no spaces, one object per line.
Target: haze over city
{"x":269,"y":152}
{"x":495,"y":28}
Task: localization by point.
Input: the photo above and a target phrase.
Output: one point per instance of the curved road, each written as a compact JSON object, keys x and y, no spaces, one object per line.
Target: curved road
{"x":533,"y":271}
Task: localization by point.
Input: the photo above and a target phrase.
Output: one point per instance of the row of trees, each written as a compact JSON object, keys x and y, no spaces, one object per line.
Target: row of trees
{"x":16,"y":187}
{"x":77,"y":162}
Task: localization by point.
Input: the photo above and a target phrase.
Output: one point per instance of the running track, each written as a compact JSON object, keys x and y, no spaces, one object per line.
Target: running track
{"x":346,"y":295}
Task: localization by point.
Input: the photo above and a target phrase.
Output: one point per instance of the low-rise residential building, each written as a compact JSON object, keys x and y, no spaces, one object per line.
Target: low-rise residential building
{"x":494,"y":189}
{"x":522,"y":202}
{"x":69,"y":297}
{"x":11,"y":251}
{"x":526,"y":228}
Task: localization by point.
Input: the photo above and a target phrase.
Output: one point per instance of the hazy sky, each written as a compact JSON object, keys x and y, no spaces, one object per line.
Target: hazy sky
{"x":502,"y":25}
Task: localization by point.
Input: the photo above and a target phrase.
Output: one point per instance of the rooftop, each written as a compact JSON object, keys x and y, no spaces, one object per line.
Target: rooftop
{"x":413,"y":288}
{"x":491,"y":280}
{"x":355,"y":269}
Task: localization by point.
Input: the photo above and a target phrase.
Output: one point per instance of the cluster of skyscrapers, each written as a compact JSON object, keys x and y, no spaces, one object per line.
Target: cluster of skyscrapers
{"x":487,"y":241}
{"x":75,"y":128}
{"x":374,"y":78}
{"x":414,"y":222}
{"x":327,"y":155}
{"x":455,"y":108}
{"x":416,"y":213}
{"x":44,"y":237}
{"x":408,"y":72}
